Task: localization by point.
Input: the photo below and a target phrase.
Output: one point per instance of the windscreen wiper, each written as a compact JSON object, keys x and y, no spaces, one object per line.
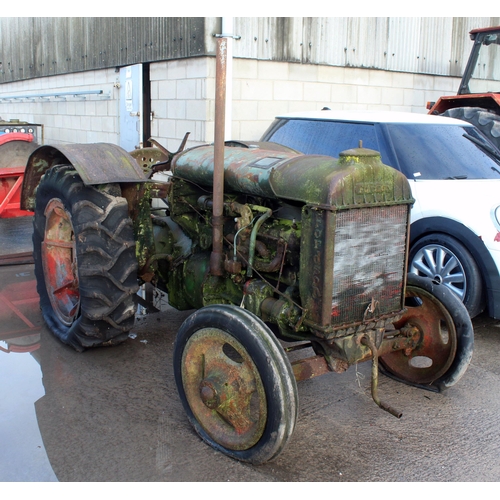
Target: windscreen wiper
{"x":491,"y":151}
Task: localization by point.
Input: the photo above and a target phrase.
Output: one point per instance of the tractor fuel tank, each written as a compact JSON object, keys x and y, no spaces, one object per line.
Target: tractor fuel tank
{"x":358,"y":177}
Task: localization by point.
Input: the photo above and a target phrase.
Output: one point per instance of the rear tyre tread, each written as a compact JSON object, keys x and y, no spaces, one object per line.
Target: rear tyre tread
{"x":107,"y":266}
{"x":488,"y":123}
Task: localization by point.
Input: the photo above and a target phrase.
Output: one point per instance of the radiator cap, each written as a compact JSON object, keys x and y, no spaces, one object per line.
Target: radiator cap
{"x":359,"y":151}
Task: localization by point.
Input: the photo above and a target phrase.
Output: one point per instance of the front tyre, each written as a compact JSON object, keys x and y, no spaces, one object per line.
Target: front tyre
{"x":235,"y":383}
{"x":85,"y":264}
{"x":446,"y":338}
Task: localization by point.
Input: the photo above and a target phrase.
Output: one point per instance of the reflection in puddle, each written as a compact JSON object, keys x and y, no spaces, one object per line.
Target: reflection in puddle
{"x":22,"y":453}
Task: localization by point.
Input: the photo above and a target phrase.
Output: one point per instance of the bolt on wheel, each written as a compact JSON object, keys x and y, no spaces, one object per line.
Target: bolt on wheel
{"x":437,"y":345}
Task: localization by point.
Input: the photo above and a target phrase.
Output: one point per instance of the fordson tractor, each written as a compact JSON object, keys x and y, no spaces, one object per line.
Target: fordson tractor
{"x":289,"y":252}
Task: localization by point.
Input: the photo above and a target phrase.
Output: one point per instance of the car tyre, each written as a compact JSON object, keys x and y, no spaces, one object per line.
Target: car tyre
{"x":446,"y":261}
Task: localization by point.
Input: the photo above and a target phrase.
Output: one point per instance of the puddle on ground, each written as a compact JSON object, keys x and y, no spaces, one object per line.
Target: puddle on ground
{"x":22,"y":456}
{"x":22,"y":453}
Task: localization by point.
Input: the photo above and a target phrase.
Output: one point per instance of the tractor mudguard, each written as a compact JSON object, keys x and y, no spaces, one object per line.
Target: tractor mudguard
{"x":100,"y":163}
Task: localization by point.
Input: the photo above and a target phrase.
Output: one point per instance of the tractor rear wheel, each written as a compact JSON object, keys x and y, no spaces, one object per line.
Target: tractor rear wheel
{"x":85,"y":264}
{"x":488,"y":123}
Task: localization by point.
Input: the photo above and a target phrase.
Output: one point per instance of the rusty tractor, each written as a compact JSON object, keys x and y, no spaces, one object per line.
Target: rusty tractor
{"x":288,"y":252}
{"x":478,"y":98}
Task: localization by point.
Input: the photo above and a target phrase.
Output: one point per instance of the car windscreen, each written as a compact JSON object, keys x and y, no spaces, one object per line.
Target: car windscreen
{"x":427,"y":151}
{"x":322,"y":137}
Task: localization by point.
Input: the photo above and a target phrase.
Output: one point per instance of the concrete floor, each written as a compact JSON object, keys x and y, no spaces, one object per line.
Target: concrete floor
{"x":113,"y":414}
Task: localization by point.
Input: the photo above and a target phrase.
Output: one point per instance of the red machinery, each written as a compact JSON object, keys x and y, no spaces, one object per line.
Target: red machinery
{"x":17,"y":300}
{"x":17,"y":142}
{"x":478,"y":97}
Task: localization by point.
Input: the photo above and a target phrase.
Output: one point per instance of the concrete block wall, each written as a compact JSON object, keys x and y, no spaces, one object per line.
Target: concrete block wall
{"x":264,"y":89}
{"x":183,"y":98}
{"x":72,"y":119}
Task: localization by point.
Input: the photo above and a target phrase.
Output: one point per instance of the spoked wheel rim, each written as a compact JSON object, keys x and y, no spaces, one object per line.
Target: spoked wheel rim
{"x":224,"y":389}
{"x":442,"y":265}
{"x":59,"y":262}
{"x":437,"y":346}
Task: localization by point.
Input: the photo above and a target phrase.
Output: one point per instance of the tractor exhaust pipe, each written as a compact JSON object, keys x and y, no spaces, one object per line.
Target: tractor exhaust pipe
{"x":367,"y":341}
{"x":216,"y":264}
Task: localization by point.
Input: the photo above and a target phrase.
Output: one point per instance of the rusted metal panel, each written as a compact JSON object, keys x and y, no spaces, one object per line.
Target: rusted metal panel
{"x":316,"y":260}
{"x":95,"y":163}
{"x":246,"y":170}
{"x":314,"y":179}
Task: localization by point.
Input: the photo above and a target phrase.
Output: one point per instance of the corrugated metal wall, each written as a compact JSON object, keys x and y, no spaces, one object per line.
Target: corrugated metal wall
{"x":430,"y":45}
{"x":35,"y":47}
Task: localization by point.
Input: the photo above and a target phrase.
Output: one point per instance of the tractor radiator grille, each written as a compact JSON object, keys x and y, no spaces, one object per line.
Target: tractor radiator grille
{"x":369,"y":262}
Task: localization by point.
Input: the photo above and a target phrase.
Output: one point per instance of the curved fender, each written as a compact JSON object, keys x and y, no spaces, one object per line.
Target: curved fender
{"x":95,"y":163}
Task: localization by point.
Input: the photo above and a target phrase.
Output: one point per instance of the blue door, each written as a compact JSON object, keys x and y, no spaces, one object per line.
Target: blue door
{"x":131,"y":107}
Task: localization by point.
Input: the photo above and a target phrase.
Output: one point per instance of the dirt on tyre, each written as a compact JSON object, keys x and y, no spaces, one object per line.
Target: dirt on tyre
{"x":488,"y":123}
{"x":85,"y":264}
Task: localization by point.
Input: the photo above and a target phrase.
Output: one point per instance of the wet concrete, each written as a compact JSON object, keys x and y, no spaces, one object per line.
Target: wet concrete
{"x":113,"y":414}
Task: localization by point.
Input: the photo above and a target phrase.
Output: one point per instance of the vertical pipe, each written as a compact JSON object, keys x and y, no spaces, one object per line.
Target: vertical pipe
{"x":218,"y":180}
{"x":227,"y":29}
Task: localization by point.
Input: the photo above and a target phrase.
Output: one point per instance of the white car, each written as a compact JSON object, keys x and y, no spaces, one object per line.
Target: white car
{"x":454,"y":175}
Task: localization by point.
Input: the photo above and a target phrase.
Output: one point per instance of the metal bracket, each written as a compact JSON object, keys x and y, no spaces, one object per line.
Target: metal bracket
{"x":227,"y":35}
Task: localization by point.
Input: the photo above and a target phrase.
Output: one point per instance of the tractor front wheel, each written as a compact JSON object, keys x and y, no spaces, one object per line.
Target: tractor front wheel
{"x":236,"y":383}
{"x":85,"y":264}
{"x":446,"y":338}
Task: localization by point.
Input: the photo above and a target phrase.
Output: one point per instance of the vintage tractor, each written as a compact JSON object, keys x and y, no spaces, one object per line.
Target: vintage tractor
{"x":289,"y":252}
{"x":478,"y":97}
